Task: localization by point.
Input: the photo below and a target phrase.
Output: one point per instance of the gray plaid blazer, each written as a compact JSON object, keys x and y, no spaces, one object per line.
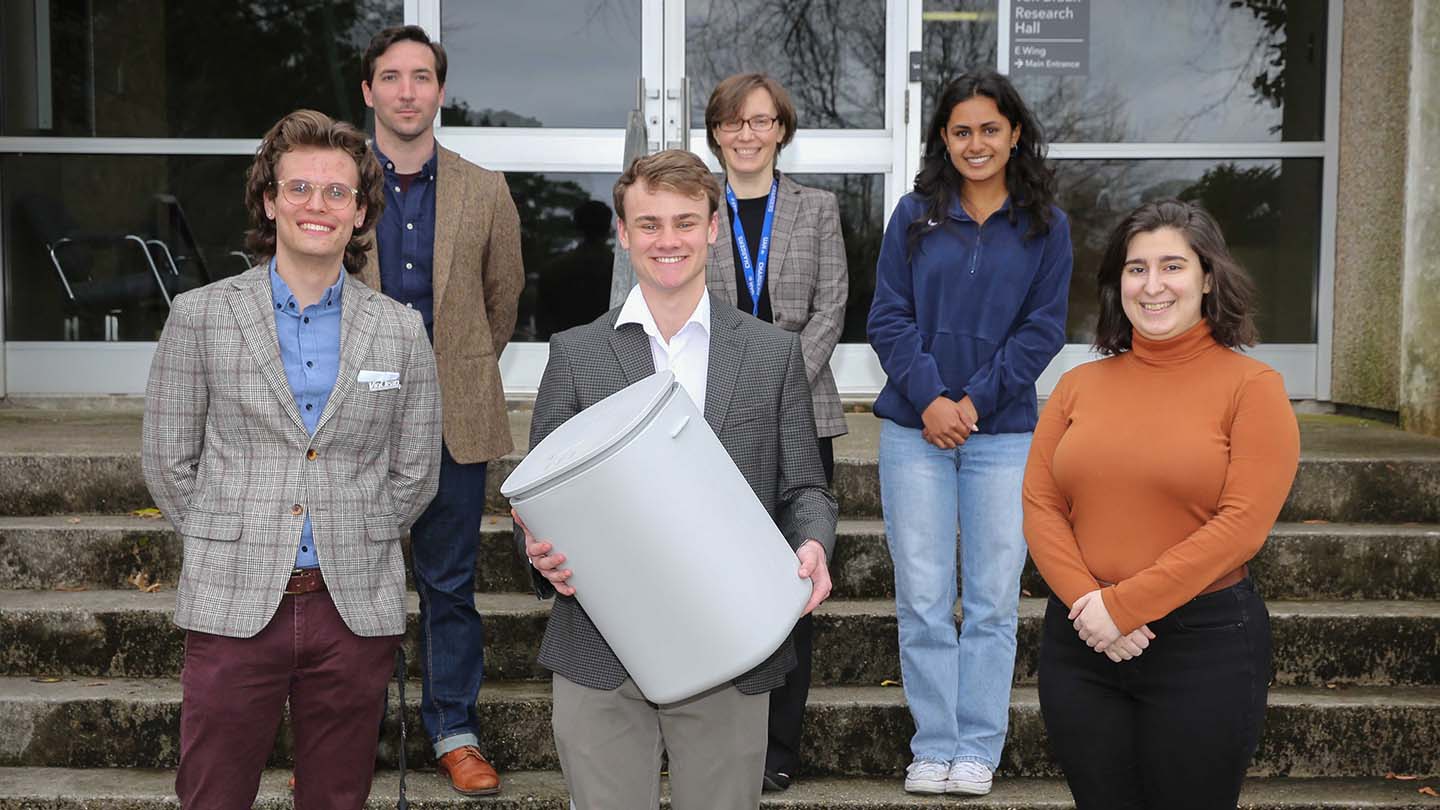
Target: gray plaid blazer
{"x":808,"y":281}
{"x":227,"y":457}
{"x":757,"y":402}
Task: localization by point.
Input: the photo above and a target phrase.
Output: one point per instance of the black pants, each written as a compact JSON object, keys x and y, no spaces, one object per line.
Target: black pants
{"x":787,"y":702}
{"x":1174,"y":728}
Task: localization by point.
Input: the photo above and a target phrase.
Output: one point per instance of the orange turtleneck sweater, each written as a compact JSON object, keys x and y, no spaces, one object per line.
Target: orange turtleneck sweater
{"x":1158,"y":473}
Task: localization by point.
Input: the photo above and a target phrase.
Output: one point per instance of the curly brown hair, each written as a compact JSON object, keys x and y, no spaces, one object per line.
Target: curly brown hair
{"x":308,"y":128}
{"x":1229,"y":307}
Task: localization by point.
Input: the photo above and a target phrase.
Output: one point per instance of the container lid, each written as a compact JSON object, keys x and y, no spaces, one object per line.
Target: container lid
{"x":590,"y":433}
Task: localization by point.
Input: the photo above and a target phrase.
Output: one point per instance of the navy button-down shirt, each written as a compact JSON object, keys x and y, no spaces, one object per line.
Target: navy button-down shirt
{"x":310,"y":350}
{"x":406,"y":239}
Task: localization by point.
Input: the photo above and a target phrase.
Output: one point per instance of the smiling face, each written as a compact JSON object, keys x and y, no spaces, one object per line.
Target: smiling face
{"x":979,"y":139}
{"x":313,"y":230}
{"x":668,"y":235}
{"x":404,"y":92}
{"x":1162,"y":283}
{"x":748,"y":153}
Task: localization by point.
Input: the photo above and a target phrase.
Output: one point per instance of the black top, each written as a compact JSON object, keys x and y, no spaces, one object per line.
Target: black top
{"x":752,"y":220}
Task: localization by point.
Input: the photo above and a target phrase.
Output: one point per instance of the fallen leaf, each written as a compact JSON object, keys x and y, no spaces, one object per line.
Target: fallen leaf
{"x":1314,"y":522}
{"x":72,"y":520}
{"x":68,"y":588}
{"x":47,"y":679}
{"x":153,"y":588}
{"x":1404,"y":777}
{"x":96,"y":683}
{"x":149,"y":512}
{"x":888,"y":682}
{"x":1428,"y":791}
{"x":1331,"y":686}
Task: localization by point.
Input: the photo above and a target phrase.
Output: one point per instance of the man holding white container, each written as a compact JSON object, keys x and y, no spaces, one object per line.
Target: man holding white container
{"x":749,"y":379}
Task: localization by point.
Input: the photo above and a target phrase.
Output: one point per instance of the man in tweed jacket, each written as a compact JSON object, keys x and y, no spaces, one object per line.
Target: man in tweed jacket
{"x":292,"y":435}
{"x":750,"y":377}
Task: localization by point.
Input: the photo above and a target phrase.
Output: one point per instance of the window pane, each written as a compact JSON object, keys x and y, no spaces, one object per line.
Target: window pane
{"x":1269,"y":211}
{"x":567,"y":233}
{"x":862,"y":224}
{"x":91,"y":209}
{"x":198,"y":69}
{"x":1188,"y":70}
{"x":829,"y":55}
{"x":541,"y":63}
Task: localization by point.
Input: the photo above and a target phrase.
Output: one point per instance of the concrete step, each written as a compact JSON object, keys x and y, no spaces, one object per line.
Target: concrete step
{"x":1300,"y":561}
{"x":849,"y":731}
{"x":84,"y":789}
{"x":1352,"y":470}
{"x":130,"y":634}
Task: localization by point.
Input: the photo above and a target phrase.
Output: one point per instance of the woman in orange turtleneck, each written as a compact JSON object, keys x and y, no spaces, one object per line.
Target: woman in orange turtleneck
{"x":1155,"y":474}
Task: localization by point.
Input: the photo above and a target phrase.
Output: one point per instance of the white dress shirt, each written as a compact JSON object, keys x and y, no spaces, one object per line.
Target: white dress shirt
{"x":687,"y":354}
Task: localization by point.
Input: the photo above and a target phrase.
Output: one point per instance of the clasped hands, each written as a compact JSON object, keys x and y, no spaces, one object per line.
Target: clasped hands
{"x":551,"y":565}
{"x":949,"y":423}
{"x":1099,"y":631}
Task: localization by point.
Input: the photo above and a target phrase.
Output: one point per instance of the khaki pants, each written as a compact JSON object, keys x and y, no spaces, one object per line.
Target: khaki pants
{"x":610,"y":744}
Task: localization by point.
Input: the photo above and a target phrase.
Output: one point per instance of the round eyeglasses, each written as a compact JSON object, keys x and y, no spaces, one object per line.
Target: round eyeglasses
{"x":757,"y":123}
{"x":335,"y":195}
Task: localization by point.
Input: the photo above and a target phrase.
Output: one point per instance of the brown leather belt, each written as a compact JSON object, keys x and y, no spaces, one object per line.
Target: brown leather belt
{"x":1226,"y":581}
{"x":304,"y":580}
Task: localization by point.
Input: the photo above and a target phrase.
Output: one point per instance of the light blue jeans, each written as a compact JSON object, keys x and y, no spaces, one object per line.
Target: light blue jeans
{"x":957,"y":685}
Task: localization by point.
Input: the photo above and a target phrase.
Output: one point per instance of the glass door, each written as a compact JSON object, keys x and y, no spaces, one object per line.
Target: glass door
{"x":544,"y":90}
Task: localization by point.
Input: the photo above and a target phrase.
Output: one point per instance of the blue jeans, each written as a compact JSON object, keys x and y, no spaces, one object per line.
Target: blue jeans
{"x":443,"y":545}
{"x":957,"y":686}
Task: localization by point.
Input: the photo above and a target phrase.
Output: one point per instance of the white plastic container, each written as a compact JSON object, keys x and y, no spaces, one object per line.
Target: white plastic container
{"x":673,"y":556}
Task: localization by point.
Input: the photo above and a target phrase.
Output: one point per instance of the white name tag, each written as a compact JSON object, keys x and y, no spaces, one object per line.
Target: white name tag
{"x":384,"y":385}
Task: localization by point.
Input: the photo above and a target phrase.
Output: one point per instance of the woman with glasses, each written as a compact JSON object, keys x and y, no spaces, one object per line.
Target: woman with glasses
{"x":292,"y":436}
{"x":779,"y":257}
{"x":970,"y":299}
{"x":1155,"y":475}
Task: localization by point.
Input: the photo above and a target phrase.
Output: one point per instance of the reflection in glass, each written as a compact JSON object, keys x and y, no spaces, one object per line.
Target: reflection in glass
{"x":540,"y":63}
{"x":198,"y":69}
{"x":96,"y":211}
{"x":567,"y":239}
{"x":829,"y":55}
{"x":1269,"y":211}
{"x":1183,"y":71}
{"x":862,"y":224}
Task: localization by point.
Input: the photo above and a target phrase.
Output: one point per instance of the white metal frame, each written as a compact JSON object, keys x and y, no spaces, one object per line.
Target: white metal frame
{"x":29,"y":367}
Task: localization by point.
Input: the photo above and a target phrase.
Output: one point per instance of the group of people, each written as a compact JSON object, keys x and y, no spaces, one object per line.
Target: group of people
{"x":294,"y":432}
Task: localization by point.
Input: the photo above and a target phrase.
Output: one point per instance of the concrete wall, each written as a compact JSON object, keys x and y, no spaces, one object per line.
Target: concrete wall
{"x":1419,"y":393}
{"x":1370,"y":223}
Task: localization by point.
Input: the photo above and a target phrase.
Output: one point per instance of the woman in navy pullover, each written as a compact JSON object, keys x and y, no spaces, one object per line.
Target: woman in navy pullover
{"x":970,"y":298}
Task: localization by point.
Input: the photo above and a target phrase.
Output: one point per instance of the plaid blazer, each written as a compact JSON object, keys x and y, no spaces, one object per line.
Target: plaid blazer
{"x":808,"y":280}
{"x":227,"y":457}
{"x":757,"y":402}
{"x":477,"y":276}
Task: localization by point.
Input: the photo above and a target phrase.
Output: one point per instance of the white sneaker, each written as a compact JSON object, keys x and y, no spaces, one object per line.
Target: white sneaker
{"x":926,"y":776}
{"x":969,"y":778}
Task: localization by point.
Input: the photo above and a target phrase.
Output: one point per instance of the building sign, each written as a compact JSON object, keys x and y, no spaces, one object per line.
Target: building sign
{"x":1049,"y":37}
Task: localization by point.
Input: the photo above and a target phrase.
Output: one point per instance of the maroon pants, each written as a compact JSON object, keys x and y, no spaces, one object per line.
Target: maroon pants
{"x":235,"y":691}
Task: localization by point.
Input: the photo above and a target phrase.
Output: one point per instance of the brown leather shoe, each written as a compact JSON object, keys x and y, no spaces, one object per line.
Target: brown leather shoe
{"x":469,"y":773}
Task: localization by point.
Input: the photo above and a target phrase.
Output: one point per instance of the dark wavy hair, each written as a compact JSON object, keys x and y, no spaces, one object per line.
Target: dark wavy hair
{"x":1030,"y":181}
{"x":381,"y":42}
{"x":1229,"y":307}
{"x":308,"y":128}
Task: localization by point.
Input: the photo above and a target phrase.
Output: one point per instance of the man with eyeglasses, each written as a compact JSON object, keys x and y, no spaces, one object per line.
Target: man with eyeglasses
{"x":291,"y":435}
{"x":448,"y":246}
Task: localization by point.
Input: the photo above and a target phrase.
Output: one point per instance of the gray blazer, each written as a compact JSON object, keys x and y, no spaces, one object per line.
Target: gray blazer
{"x":808,"y":281}
{"x":227,"y":457}
{"x":757,"y":402}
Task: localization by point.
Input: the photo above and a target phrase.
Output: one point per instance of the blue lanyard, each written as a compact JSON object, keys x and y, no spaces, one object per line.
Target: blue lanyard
{"x":754,"y":273}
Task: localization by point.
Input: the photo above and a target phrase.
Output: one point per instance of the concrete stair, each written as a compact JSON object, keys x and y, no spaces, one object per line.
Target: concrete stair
{"x":89,"y":662}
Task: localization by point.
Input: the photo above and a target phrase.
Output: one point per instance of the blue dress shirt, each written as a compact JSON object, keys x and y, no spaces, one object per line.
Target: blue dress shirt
{"x":310,"y":350}
{"x":406,"y":239}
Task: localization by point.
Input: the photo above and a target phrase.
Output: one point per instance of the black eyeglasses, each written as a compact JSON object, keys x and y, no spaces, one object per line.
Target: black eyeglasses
{"x":758,"y":123}
{"x":335,"y":195}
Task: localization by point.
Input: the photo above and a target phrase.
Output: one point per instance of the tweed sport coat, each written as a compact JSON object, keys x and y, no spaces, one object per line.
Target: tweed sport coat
{"x":808,"y":280}
{"x":477,"y":276}
{"x":757,"y":402}
{"x":227,"y":457}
